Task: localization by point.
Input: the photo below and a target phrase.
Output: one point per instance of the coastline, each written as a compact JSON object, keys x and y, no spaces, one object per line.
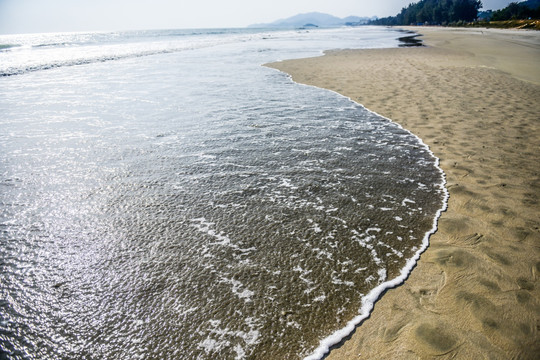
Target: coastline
{"x":472,"y":96}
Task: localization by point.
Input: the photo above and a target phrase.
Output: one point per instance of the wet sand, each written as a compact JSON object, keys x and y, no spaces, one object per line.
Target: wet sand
{"x":473,"y":96}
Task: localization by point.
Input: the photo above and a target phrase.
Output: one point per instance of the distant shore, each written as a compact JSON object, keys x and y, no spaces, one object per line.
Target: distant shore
{"x":473,"y":96}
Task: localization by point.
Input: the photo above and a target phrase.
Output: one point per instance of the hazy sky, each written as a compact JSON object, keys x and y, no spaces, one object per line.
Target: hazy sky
{"x":25,"y":16}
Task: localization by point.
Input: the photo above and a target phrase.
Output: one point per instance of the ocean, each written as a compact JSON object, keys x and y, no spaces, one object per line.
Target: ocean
{"x":164,"y":196}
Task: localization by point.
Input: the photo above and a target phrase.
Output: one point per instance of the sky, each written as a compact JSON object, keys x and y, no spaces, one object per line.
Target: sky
{"x":32,"y":16}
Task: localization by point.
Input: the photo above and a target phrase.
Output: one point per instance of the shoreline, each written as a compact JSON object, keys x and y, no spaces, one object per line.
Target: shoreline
{"x":472,"y":96}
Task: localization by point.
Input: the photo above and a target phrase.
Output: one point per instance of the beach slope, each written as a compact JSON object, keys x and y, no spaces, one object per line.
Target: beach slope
{"x":473,"y":96}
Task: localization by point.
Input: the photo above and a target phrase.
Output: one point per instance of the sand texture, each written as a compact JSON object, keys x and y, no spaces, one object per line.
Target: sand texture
{"x":473,"y":96}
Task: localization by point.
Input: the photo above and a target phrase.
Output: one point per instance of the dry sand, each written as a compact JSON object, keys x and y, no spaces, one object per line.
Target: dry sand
{"x":473,"y":96}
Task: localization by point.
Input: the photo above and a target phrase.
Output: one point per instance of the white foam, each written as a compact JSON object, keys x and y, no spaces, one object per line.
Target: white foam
{"x":405,"y":201}
{"x":209,"y":345}
{"x":337,"y":281}
{"x":237,"y":286}
{"x":240,"y":353}
{"x":204,"y":226}
{"x":213,"y":346}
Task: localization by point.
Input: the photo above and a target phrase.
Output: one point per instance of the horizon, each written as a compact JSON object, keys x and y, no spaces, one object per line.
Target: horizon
{"x":58,"y":16}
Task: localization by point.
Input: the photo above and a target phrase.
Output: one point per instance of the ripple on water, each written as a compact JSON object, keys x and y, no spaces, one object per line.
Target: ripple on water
{"x":225,"y":212}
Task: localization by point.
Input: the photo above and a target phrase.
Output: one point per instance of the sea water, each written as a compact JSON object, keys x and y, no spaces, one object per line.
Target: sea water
{"x":164,"y":196}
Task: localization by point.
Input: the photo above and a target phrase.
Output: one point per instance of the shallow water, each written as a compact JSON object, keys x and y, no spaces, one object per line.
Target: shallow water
{"x":164,"y":196}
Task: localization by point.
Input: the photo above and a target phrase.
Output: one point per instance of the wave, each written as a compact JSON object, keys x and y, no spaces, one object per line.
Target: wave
{"x":52,"y":44}
{"x":369,"y":300}
{"x":53,"y":65}
{"x":50,"y":51}
{"x":4,"y":47}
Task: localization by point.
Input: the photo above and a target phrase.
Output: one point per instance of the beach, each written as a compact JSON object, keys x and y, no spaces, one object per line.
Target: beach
{"x":472,"y":95}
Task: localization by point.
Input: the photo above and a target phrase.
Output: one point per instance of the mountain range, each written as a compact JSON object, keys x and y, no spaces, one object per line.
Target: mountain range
{"x":314,"y":19}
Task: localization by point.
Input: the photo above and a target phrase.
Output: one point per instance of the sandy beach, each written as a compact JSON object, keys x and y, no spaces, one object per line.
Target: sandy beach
{"x":473,"y":96}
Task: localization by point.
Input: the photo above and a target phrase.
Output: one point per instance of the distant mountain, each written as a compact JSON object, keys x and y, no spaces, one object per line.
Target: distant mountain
{"x":314,"y":19}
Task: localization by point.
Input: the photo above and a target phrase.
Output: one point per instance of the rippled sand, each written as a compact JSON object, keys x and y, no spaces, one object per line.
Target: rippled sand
{"x":473,"y":97}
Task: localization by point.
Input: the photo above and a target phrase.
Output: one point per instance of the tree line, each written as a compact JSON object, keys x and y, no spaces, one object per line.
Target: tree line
{"x":518,"y":11}
{"x":434,"y":12}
